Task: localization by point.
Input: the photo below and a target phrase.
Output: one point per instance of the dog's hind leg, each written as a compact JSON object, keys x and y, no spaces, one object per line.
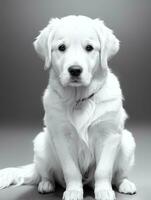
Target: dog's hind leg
{"x":44,"y":161}
{"x":124,"y":162}
{"x":36,"y":173}
{"x":46,"y":183}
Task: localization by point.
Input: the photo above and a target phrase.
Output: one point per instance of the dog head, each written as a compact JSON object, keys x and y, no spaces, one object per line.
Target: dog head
{"x":75,"y":47}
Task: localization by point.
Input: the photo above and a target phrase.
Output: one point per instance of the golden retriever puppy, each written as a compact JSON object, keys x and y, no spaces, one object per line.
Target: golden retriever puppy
{"x":84,"y":140}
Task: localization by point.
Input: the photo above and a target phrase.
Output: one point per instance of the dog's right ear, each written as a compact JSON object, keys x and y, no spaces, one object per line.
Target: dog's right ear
{"x":42,"y":44}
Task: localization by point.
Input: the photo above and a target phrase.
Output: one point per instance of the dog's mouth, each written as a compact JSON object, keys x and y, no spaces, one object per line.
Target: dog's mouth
{"x":75,"y":82}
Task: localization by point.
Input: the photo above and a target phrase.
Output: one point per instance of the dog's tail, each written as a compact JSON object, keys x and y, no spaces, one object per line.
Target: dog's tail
{"x":19,"y":176}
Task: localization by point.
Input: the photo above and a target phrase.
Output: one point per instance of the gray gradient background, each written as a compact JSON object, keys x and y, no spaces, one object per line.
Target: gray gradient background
{"x":22,"y":78}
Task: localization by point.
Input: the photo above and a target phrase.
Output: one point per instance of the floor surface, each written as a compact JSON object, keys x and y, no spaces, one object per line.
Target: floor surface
{"x":16,"y":150}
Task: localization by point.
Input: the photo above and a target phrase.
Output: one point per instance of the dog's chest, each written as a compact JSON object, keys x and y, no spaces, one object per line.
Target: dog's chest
{"x":80,"y":116}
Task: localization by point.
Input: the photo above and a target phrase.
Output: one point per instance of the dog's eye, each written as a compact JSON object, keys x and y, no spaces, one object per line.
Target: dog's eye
{"x":62,"y":47}
{"x":89,"y":48}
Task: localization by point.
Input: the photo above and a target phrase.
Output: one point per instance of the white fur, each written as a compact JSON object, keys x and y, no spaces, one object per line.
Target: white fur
{"x":83,"y":142}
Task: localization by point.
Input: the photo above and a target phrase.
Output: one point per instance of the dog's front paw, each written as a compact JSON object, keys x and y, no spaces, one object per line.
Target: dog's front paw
{"x":104,"y":191}
{"x":73,"y":194}
{"x":127,"y":187}
{"x":104,"y":194}
{"x":46,"y":187}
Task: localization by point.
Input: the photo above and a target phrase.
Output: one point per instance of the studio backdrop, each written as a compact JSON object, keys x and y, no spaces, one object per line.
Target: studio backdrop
{"x":22,"y":77}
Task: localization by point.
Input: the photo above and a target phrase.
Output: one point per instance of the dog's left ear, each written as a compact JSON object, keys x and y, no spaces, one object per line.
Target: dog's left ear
{"x":109,"y":42}
{"x":42,"y":44}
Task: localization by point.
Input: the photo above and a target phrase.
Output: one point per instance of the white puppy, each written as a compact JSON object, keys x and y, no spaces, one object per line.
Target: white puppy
{"x":84,"y":140}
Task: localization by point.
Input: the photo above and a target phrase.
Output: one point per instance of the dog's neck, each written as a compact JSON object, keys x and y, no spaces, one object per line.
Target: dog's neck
{"x":78,"y":94}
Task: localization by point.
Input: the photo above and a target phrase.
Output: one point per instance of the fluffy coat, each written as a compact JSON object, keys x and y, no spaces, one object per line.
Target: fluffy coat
{"x":84,"y":140}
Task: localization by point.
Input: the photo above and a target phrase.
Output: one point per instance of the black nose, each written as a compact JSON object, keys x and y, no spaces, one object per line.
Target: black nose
{"x":75,"y":70}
